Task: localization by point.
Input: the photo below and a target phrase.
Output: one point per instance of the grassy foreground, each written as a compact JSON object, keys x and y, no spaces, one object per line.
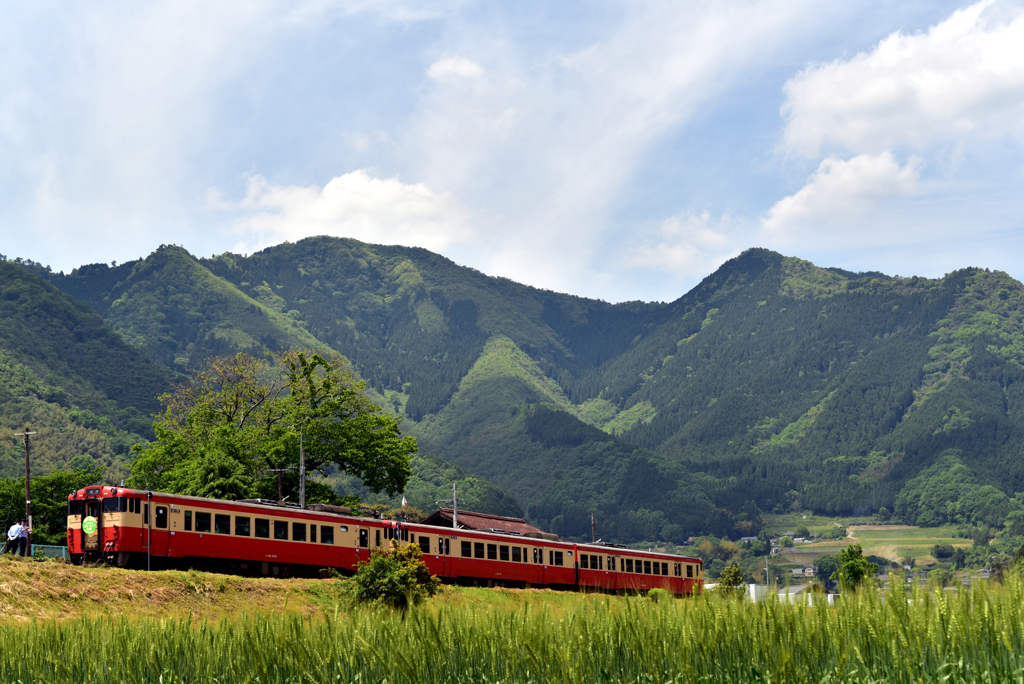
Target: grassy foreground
{"x":974,"y":635}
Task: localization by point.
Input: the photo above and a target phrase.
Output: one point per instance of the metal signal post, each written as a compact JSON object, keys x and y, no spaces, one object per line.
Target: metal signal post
{"x":28,"y":488}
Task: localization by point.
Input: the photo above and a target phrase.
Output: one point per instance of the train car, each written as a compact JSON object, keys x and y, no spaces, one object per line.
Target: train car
{"x":131,"y":528}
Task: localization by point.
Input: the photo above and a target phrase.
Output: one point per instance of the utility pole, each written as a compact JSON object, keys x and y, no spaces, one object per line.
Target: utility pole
{"x":302,"y":473}
{"x":593,"y":528}
{"x":28,"y":488}
{"x":454,"y":501}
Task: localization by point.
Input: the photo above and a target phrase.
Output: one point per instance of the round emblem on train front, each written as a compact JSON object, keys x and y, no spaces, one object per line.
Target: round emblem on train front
{"x":89,"y":525}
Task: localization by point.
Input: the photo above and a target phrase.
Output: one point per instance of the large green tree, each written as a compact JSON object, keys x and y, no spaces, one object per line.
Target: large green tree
{"x":854,"y":567}
{"x":235,"y":426}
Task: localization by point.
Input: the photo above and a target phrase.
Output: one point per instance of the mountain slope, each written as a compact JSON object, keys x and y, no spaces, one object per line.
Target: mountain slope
{"x":66,"y":374}
{"x":773,"y":383}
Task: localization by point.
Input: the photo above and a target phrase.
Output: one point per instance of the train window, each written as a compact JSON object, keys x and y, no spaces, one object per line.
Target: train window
{"x":503,"y":552}
{"x":221,"y":523}
{"x":689,"y":570}
{"x":558,"y":558}
{"x":664,"y":569}
{"x":298,"y":531}
{"x":111,"y":504}
{"x":281,"y":529}
{"x":424,"y":544}
{"x":611,"y":563}
{"x":447,"y":547}
{"x":378,"y":537}
{"x":551,"y":557}
{"x":161,"y":517}
{"x":327,"y":534}
{"x":600,"y":563}
{"x":241,"y":526}
{"x":405,"y":535}
{"x":312,"y":533}
{"x":584,"y":562}
{"x":524,"y":555}
{"x":188,"y":521}
{"x":478,"y":550}
{"x":202,"y":522}
{"x":145,"y":514}
{"x":261,"y":528}
{"x":75,"y":507}
{"x":516,"y":554}
{"x":467,"y":550}
{"x":343,"y":528}
{"x":535,"y":556}
{"x":628,"y":567}
{"x":647,"y":567}
{"x":364,"y":538}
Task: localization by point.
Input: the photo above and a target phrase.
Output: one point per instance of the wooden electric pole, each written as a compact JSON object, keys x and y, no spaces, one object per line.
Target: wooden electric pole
{"x":593,"y":528}
{"x":28,"y":489}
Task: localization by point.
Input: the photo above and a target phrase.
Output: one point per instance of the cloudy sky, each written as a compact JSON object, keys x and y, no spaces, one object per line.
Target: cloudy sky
{"x":620,"y":150}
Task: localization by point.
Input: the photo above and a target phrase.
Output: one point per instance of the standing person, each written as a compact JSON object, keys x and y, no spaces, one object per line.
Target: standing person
{"x":23,"y":537}
{"x":12,"y":537}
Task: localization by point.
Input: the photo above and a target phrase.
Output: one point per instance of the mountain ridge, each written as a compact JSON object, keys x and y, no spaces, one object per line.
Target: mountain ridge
{"x":774,"y":383}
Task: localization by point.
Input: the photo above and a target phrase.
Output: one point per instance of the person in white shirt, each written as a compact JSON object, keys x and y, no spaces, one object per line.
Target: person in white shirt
{"x":13,"y":536}
{"x":23,"y":538}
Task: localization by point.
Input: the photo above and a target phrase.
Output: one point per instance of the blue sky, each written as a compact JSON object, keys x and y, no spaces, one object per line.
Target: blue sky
{"x":620,"y":150}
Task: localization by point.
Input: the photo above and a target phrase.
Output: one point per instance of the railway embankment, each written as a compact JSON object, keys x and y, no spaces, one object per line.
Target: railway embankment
{"x":52,"y":589}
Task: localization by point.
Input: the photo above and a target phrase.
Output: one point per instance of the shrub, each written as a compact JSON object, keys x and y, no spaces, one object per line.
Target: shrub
{"x":397,"y":577}
{"x":943,"y":550}
{"x":657,"y":594}
{"x":732,"y":577}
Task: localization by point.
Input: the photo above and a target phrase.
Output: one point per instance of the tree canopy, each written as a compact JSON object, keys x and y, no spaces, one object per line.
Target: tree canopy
{"x":854,"y":568}
{"x":235,"y":426}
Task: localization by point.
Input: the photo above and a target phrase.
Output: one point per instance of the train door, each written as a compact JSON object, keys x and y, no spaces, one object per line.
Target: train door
{"x":161,"y":534}
{"x":444,"y":547}
{"x":92,"y":524}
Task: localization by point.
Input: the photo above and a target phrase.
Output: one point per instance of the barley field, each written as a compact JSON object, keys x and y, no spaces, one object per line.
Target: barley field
{"x":974,"y":635}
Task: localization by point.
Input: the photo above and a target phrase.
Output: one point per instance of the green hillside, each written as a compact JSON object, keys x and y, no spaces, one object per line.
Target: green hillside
{"x":67,"y":375}
{"x":772,"y":385}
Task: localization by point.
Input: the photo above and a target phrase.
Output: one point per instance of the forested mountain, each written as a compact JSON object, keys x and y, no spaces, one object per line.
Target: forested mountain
{"x":773,"y":383}
{"x":67,"y":375}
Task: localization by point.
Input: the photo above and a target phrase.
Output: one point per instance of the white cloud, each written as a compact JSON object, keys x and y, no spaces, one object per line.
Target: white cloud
{"x":963,"y":77}
{"x":454,"y":68}
{"x":356,"y":205}
{"x":549,"y":141}
{"x":687,"y":243}
{"x":843,"y":190}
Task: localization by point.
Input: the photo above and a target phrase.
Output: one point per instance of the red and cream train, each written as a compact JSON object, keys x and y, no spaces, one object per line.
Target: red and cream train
{"x":114,"y":524}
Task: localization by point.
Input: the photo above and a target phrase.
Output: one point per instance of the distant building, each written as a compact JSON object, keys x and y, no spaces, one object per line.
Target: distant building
{"x":468,"y":520}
